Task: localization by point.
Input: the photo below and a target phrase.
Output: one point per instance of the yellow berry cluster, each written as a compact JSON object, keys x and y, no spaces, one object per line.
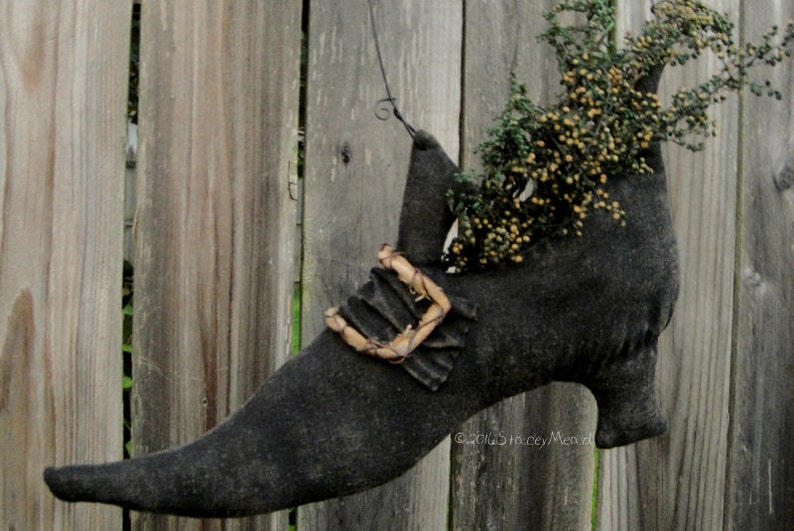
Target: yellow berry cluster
{"x":545,"y":168}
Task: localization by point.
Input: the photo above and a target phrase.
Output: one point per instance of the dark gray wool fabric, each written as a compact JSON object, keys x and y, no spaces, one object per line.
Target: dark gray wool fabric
{"x":384,"y":307}
{"x":332,"y":421}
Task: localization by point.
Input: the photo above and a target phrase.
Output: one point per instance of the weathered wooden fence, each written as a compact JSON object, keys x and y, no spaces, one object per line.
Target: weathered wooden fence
{"x":218,"y":208}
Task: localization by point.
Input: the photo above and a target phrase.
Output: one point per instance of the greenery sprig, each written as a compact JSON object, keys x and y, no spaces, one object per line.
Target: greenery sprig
{"x":545,"y":167}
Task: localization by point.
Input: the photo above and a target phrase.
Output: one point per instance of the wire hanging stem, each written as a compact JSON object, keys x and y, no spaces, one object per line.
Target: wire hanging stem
{"x":389,"y":98}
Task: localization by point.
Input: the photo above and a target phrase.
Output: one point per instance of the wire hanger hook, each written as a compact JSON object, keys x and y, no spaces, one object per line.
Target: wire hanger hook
{"x":381,"y":110}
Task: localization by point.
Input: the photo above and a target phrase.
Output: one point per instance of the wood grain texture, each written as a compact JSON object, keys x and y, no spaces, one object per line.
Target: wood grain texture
{"x":63,"y":78}
{"x":130,"y":200}
{"x":677,"y":480}
{"x":215,"y":224}
{"x":760,"y":491}
{"x":356,"y":167}
{"x":215,"y":247}
{"x":513,"y":486}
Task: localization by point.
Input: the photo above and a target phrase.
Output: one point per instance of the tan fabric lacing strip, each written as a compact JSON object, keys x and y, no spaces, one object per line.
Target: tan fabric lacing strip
{"x":401,"y":347}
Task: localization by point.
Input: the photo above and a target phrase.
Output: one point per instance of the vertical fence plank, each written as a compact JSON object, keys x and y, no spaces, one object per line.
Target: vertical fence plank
{"x":676,"y":481}
{"x":215,"y":226}
{"x":356,"y":168}
{"x":514,"y":486}
{"x":760,"y":492}
{"x":63,"y":70}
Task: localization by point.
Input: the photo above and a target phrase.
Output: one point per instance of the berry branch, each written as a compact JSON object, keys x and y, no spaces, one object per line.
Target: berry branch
{"x":545,"y":167}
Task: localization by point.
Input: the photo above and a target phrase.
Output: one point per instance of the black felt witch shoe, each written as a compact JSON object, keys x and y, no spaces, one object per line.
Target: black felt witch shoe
{"x":333,"y":421}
